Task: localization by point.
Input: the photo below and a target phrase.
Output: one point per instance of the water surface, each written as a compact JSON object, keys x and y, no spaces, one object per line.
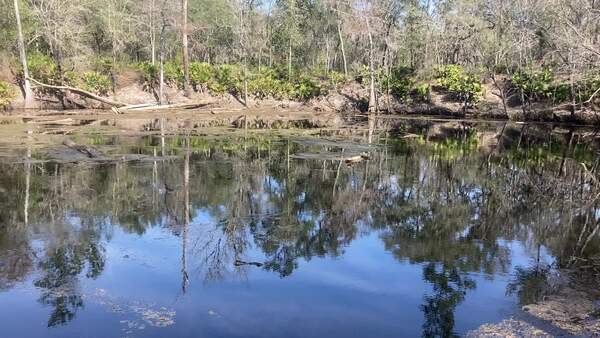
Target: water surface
{"x":443,"y":228}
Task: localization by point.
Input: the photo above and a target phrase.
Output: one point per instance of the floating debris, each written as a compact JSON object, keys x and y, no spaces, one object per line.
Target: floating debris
{"x":147,"y":314}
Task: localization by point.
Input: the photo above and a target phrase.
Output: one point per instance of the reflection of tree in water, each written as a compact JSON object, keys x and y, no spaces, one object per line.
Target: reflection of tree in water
{"x":529,"y":283}
{"x":16,"y":255}
{"x":449,"y":289}
{"x":440,"y":204}
{"x":61,"y":270}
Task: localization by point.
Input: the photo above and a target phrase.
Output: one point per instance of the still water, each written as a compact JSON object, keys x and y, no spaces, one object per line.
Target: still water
{"x":433,"y":232}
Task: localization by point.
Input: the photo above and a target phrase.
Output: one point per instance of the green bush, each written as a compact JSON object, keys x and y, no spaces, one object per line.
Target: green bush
{"x":282,"y":73}
{"x":228,"y":78}
{"x":336,"y":79}
{"x":400,"y":88}
{"x":96,"y":83}
{"x":542,"y":85}
{"x":587,"y":87}
{"x":103,"y":65}
{"x":263,"y":83}
{"x":307,"y":88}
{"x":422,"y":92}
{"x":6,"y":94}
{"x":173,"y":74}
{"x":266,"y":85}
{"x":201,"y":73}
{"x":41,"y":68}
{"x":465,"y":87}
{"x":535,"y":85}
{"x":398,"y":82}
{"x":150,"y":74}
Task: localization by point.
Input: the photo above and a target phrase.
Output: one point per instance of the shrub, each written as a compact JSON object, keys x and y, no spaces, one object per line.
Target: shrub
{"x":103,"y":65}
{"x":265,"y":85}
{"x":587,"y":87}
{"x":398,"y":82}
{"x":201,"y":73}
{"x":535,"y":85}
{"x":463,"y":86}
{"x":96,"y":83}
{"x":228,"y":79}
{"x":541,"y":85}
{"x":336,"y":79}
{"x":6,"y":94}
{"x":282,"y":72}
{"x":307,"y":88}
{"x":149,"y":74}
{"x":399,"y":87}
{"x":422,"y":92}
{"x":41,"y":68}
{"x":173,"y":74}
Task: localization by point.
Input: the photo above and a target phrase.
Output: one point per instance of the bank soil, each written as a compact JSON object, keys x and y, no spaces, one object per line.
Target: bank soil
{"x":349,"y":98}
{"x":571,"y":308}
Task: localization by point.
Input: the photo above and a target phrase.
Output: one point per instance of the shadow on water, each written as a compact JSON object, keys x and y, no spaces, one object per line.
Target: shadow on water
{"x":447,"y":198}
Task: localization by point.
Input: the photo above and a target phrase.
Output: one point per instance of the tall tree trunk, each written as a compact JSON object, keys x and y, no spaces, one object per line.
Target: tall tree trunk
{"x":326,"y":55}
{"x":573,"y":94}
{"x":290,"y":61}
{"x":186,"y":56}
{"x":339,"y":29}
{"x":152,"y":33}
{"x":161,"y":80}
{"x":113,"y":80}
{"x":372,"y":95}
{"x":27,"y":92}
{"x":259,"y":58}
{"x":243,"y":40}
{"x":245,"y":82}
{"x":153,"y":47}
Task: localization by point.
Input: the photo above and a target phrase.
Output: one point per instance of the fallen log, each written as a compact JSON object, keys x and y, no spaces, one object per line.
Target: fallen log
{"x":190,"y":105}
{"x":79,"y":92}
{"x":334,"y":156}
{"x":63,"y":122}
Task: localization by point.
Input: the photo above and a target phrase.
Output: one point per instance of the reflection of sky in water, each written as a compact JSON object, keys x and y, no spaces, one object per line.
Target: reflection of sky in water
{"x":353,"y":275}
{"x":364,"y":292}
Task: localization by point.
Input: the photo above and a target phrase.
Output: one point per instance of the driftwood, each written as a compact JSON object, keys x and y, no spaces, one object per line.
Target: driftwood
{"x":120,"y":107}
{"x":80,"y":92}
{"x":49,"y":121}
{"x":85,"y":150}
{"x":142,"y":107}
{"x":347,"y":158}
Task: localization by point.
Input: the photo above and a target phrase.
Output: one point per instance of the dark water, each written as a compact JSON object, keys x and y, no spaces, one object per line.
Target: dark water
{"x":235,"y":237}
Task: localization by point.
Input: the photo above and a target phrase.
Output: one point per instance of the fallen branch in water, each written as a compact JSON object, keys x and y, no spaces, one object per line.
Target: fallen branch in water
{"x":79,"y":92}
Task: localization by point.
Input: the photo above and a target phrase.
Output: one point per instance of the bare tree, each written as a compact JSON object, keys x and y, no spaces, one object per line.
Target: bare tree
{"x":186,"y":55}
{"x":27,"y":92}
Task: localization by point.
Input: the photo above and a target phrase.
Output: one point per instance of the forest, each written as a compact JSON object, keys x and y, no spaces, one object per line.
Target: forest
{"x":523,"y":55}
